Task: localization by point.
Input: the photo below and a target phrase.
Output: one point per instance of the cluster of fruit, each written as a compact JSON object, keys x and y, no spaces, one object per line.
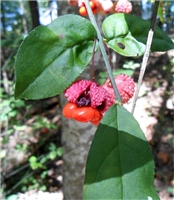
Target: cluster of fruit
{"x":103,"y":7}
{"x":88,"y":102}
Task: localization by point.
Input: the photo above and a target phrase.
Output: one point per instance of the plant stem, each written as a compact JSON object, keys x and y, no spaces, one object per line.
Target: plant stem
{"x":102,"y":48}
{"x":146,"y":54}
{"x":93,"y":52}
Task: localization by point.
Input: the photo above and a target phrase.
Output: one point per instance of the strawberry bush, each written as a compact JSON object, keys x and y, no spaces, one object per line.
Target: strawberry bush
{"x":50,"y":61}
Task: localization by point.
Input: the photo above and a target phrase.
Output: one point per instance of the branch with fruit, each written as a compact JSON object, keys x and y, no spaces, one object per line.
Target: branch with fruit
{"x":87,"y":101}
{"x":102,"y":7}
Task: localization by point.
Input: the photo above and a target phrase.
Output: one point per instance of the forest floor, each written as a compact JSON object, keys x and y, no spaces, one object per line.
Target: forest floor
{"x":154,"y":111}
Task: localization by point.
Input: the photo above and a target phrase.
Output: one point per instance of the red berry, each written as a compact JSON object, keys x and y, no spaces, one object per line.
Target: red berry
{"x":83,"y":11}
{"x":69,"y":109}
{"x":45,"y":130}
{"x":83,"y":114}
{"x":92,"y":4}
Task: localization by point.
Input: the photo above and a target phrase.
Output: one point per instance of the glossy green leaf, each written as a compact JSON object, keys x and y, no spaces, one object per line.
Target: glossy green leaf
{"x":52,"y":57}
{"x":127,"y":35}
{"x":120,"y":163}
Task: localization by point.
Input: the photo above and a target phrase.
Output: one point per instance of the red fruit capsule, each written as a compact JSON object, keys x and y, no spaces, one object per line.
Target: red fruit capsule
{"x":96,"y":123}
{"x":97,"y":117}
{"x":83,"y":114}
{"x":92,"y":4}
{"x":69,"y":109}
{"x":94,"y":10}
{"x":83,"y":11}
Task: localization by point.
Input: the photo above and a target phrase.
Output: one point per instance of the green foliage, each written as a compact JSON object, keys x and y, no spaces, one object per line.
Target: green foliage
{"x":170,"y":190}
{"x":131,"y":65}
{"x":53,"y":153}
{"x":35,"y":164}
{"x":120,"y":163}
{"x":9,"y":107}
{"x":12,"y":197}
{"x":58,"y":54}
{"x":43,"y":122}
{"x":12,"y":18}
{"x":21,"y":147}
{"x":12,"y":113}
{"x":127,"y":35}
{"x":31,"y":182}
{"x":66,"y":48}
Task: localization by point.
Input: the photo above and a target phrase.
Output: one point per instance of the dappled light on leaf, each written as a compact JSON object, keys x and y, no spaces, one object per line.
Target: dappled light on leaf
{"x":52,"y":57}
{"x":120,"y":163}
{"x":127,"y":35}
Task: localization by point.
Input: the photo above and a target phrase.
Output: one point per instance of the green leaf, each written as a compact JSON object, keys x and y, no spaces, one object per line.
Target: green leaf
{"x":170,"y":190}
{"x":52,"y":155}
{"x":52,"y":57}
{"x":120,"y":163}
{"x":128,"y":72}
{"x":127,"y":35}
{"x":44,"y":159}
{"x":19,"y":127}
{"x":32,"y":159}
{"x":44,"y":174}
{"x":52,"y":147}
{"x":34,"y":165}
{"x":59,"y":151}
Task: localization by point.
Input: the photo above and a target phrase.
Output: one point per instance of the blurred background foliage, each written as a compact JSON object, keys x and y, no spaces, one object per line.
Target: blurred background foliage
{"x":30,"y":130}
{"x":30,"y":139}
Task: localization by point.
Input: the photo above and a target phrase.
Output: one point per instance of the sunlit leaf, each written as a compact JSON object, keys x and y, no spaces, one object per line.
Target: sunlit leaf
{"x":127,"y":35}
{"x":32,"y":159}
{"x":52,"y":155}
{"x":52,"y":57}
{"x":120,"y":163}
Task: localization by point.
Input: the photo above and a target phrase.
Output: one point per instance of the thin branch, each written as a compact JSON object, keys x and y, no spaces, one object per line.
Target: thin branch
{"x":146,"y":54}
{"x":93,"y":52}
{"x":102,"y":47}
{"x":16,"y":171}
{"x":154,"y":15}
{"x":109,"y":55}
{"x":20,"y":182}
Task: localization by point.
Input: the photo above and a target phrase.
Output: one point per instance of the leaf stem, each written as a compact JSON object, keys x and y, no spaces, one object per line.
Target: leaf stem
{"x":146,"y":54}
{"x":103,"y":51}
{"x":93,"y":52}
